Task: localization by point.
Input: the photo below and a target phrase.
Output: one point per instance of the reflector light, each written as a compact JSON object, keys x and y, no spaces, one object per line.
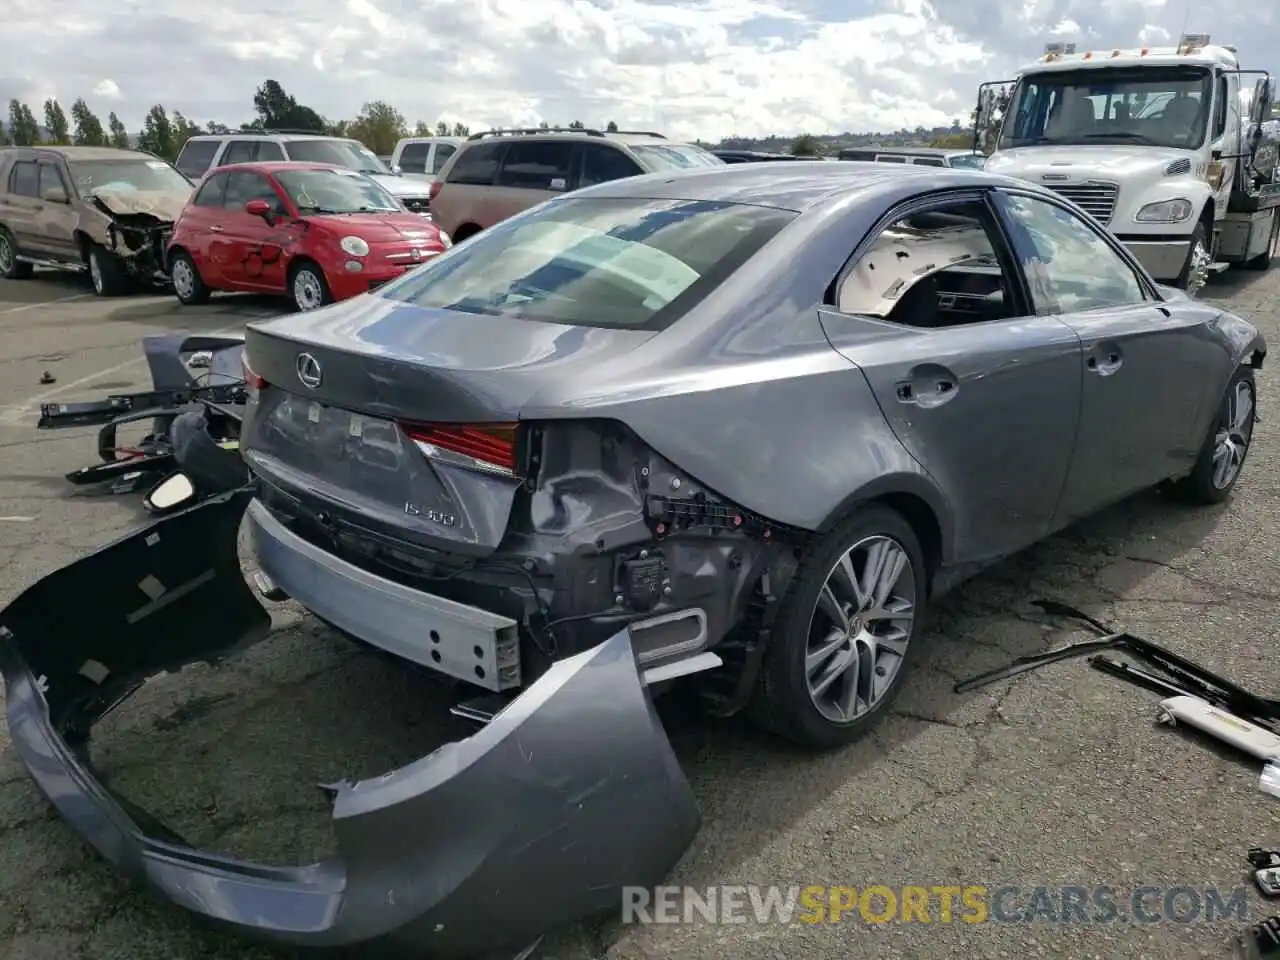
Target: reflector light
{"x":490,"y":447}
{"x":251,"y":379}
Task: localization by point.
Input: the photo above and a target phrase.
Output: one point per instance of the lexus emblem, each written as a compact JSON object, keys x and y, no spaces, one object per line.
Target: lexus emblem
{"x":308,"y":368}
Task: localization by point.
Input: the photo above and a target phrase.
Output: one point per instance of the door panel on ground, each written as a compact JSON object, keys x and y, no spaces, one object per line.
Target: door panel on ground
{"x":984,"y":396}
{"x":1143,"y":363}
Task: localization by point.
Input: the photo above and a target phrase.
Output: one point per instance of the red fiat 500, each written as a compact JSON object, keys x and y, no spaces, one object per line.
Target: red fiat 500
{"x":315,"y":232}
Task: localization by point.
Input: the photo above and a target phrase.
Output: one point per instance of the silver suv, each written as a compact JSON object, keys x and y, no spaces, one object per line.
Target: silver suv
{"x":499,"y":173}
{"x":202,"y":153}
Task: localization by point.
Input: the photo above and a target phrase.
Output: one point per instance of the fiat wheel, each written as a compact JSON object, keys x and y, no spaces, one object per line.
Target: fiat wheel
{"x":310,"y":291}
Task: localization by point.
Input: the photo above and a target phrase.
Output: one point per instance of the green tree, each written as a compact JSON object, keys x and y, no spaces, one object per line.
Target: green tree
{"x":277,"y":110}
{"x":612,"y":127}
{"x":4,"y":137}
{"x":379,"y":126}
{"x":461,"y":130}
{"x":23,"y":129}
{"x":183,"y":130}
{"x":442,"y":128}
{"x":577,"y":125}
{"x":805,"y":145}
{"x":214,"y":127}
{"x":118,"y":135}
{"x":89,"y":132}
{"x":157,"y":133}
{"x":543,"y":125}
{"x":56,"y":121}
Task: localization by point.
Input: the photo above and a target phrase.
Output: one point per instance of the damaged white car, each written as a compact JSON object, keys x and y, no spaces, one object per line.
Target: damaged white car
{"x":96,"y":209}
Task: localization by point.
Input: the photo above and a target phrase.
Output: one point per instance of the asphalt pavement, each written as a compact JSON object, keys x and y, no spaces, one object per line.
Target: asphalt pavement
{"x":1060,"y":778}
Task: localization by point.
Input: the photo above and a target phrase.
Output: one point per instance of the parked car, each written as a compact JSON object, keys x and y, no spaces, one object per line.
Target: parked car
{"x":755,"y":156}
{"x":97,"y":210}
{"x":202,"y":153}
{"x":496,"y":174}
{"x":920,"y":156}
{"x":315,"y":232}
{"x":684,"y":404}
{"x":422,"y":157}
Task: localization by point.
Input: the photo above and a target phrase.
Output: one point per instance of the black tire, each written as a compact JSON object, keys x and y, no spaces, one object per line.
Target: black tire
{"x":1263,"y":260}
{"x":188,"y":286}
{"x":1199,"y":236}
{"x":312,"y":277}
{"x":782,"y":702}
{"x":465,"y":231}
{"x":11,"y":268}
{"x":107,"y":273}
{"x":1201,"y":487}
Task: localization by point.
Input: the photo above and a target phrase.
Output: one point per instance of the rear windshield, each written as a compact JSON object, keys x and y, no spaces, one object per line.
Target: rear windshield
{"x":608,"y":262}
{"x":659,"y":158}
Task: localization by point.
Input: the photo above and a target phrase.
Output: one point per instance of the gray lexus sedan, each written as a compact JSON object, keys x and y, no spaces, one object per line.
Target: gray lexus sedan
{"x":732,"y":427}
{"x":758,"y":415}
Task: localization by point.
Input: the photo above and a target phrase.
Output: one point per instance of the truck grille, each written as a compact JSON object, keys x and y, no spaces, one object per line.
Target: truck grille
{"x":1096,"y":199}
{"x":417,"y":204}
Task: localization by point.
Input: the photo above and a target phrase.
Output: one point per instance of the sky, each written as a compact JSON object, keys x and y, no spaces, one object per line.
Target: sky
{"x":689,"y":68}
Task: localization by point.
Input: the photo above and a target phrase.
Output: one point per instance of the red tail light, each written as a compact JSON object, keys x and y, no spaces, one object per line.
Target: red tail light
{"x":434,"y":190}
{"x":251,"y":379}
{"x":490,"y":447}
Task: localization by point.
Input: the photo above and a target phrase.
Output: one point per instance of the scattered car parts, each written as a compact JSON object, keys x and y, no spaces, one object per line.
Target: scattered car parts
{"x":572,"y":790}
{"x":195,"y":418}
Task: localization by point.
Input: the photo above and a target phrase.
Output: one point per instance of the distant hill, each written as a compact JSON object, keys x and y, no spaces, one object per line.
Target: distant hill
{"x":830,"y":143}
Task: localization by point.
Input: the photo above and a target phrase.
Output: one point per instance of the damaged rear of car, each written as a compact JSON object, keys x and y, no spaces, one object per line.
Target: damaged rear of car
{"x":104,"y":211}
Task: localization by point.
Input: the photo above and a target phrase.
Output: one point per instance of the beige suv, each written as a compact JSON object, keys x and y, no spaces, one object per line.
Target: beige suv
{"x":499,"y":173}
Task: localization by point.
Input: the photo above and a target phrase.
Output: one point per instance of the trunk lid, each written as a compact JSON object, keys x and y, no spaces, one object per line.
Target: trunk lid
{"x":351,"y":437}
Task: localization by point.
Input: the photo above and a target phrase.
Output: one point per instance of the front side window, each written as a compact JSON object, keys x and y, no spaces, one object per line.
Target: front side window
{"x":659,"y":157}
{"x":127,"y":175}
{"x":413,"y":157}
{"x":442,"y":153}
{"x":890,"y":158}
{"x":196,"y":157}
{"x":243,"y":186}
{"x":602,"y":163}
{"x":50,"y":179}
{"x":334,"y":192}
{"x":928,"y":162}
{"x":1069,"y":266}
{"x":632,"y":263}
{"x":212,"y":192}
{"x":341,"y":153}
{"x":1149,"y":106}
{"x":240,"y":151}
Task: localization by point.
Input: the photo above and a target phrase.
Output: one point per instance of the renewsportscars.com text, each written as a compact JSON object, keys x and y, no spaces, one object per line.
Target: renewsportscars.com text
{"x":971,"y":904}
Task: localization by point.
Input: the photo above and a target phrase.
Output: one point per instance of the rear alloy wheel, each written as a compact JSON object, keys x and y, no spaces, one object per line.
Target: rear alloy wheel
{"x":1222,"y":457}
{"x":11,"y":268}
{"x":844,"y":639}
{"x":310,"y":291}
{"x":187,"y":285}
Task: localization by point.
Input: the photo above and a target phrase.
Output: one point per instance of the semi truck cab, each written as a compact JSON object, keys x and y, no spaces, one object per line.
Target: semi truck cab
{"x":1162,"y":145}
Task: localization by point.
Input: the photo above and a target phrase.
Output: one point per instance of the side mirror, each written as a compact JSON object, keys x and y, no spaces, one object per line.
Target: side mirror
{"x":258,"y":208}
{"x":172,"y":493}
{"x":1260,"y":106}
{"x":397,"y":169}
{"x":54,"y":195}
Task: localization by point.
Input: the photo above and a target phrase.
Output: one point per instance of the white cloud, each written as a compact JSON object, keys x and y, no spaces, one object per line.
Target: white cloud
{"x":704,"y":68}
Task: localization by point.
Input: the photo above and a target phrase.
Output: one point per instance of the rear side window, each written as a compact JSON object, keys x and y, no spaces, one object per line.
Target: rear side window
{"x":928,"y":162}
{"x":240,"y":151}
{"x":478,"y":164}
{"x":212,"y":191}
{"x":24,"y":179}
{"x":536,"y":165}
{"x":601,"y":163}
{"x":443,"y":152}
{"x":886,"y":158}
{"x":196,"y":157}
{"x":268,"y":150}
{"x":633,"y":263}
{"x":413,"y":158}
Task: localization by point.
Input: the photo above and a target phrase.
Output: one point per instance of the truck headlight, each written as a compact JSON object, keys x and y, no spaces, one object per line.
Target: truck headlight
{"x":1165,"y":211}
{"x":355,"y":246}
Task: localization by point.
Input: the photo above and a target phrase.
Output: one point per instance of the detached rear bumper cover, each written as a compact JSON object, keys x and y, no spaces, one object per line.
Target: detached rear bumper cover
{"x":537,"y":820}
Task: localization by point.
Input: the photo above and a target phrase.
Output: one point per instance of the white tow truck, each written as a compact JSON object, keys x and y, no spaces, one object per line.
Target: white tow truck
{"x":1171,"y":148}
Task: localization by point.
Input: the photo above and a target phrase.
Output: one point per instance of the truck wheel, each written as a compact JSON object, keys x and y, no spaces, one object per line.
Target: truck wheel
{"x":1195,"y":272}
{"x":1263,"y":260}
{"x":107,"y":273}
{"x":11,"y":268}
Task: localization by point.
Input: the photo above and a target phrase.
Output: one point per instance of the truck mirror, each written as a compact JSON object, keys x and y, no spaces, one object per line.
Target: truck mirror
{"x":1260,"y":106}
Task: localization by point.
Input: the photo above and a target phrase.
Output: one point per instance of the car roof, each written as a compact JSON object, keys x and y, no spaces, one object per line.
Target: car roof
{"x":270,"y":135}
{"x":626,"y":137}
{"x":791,"y":186}
{"x":88,"y":153}
{"x":275,"y":166}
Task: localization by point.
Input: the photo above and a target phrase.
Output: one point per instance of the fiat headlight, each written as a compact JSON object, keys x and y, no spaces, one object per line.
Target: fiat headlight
{"x":446,"y":240}
{"x":1165,"y":211}
{"x":355,"y":246}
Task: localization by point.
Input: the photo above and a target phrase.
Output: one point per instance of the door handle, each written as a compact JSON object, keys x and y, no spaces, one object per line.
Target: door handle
{"x":215,"y":229}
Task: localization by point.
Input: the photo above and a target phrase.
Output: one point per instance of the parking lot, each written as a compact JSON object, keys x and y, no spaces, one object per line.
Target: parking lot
{"x":1060,"y":777}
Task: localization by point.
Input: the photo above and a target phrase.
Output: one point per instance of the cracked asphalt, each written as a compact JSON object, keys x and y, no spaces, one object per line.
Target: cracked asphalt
{"x":1059,"y":777}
